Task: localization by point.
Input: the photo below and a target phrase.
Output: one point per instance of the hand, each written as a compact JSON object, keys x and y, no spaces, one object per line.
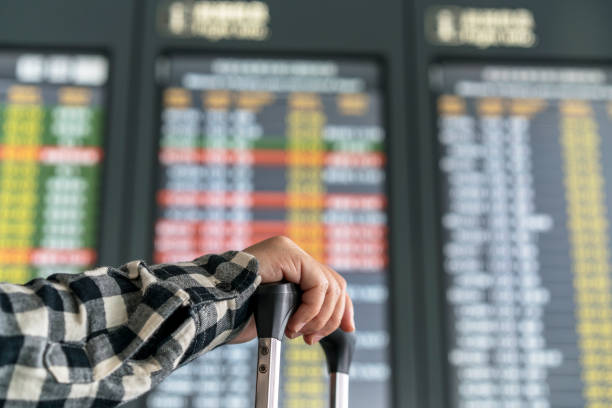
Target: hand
{"x":325,"y":305}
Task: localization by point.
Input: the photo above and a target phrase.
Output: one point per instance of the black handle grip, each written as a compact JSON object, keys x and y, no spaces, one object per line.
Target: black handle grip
{"x":339,"y":348}
{"x":274,"y":304}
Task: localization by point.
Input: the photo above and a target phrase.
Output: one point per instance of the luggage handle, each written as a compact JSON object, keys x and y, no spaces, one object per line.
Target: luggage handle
{"x":339,"y":348}
{"x":274,"y":305}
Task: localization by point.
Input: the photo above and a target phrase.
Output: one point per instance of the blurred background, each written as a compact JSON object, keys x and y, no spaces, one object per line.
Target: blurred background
{"x":450,"y":159}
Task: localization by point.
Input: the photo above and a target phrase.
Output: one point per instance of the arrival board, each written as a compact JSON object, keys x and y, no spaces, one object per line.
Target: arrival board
{"x":51,"y":150}
{"x":253,"y":148}
{"x":526,"y":193}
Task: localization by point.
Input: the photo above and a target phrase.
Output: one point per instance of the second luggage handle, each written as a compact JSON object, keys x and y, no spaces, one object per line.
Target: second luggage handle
{"x":274,"y":305}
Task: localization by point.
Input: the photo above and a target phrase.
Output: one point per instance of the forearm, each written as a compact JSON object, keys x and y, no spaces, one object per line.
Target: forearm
{"x":111,"y":334}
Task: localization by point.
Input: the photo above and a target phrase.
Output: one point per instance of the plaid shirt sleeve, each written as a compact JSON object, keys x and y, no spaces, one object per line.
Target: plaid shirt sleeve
{"x":108,"y":335}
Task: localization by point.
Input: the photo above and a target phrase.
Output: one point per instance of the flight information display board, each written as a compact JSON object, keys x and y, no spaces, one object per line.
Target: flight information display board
{"x":526,"y":192}
{"x":51,"y":120}
{"x":253,"y":148}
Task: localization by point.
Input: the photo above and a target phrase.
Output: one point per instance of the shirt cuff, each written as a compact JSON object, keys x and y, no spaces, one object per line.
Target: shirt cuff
{"x":232,"y":272}
{"x":221,"y":301}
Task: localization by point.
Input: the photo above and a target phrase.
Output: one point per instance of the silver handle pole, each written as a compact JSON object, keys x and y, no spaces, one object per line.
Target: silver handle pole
{"x":268,"y":373}
{"x":274,"y":304}
{"x":338,"y":390}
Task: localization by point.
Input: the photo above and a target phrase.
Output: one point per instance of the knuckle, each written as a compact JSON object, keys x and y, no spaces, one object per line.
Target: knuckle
{"x":282,"y":240}
{"x":337,"y":290}
{"x":323,"y":284}
{"x":343,"y":284}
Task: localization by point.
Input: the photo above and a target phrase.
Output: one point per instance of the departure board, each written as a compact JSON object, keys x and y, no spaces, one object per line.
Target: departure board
{"x":51,"y":120}
{"x":526,"y":192}
{"x":253,"y":148}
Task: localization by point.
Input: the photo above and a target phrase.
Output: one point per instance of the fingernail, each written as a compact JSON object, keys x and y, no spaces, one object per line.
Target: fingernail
{"x":316,"y":339}
{"x":291,"y":334}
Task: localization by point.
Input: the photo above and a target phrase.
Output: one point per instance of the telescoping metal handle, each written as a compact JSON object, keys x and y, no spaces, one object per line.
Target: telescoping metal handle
{"x":339,"y":348}
{"x":274,"y":305}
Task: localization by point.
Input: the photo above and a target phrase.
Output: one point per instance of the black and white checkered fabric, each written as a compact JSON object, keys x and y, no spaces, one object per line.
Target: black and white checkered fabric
{"x":108,"y":335}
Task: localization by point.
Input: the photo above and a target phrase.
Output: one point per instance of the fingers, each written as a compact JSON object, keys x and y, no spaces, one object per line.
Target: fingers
{"x":329,"y":327}
{"x":338,"y":315}
{"x":321,"y":312}
{"x":348,"y":318}
{"x":314,"y":285}
{"x":325,"y":305}
{"x":328,"y":318}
